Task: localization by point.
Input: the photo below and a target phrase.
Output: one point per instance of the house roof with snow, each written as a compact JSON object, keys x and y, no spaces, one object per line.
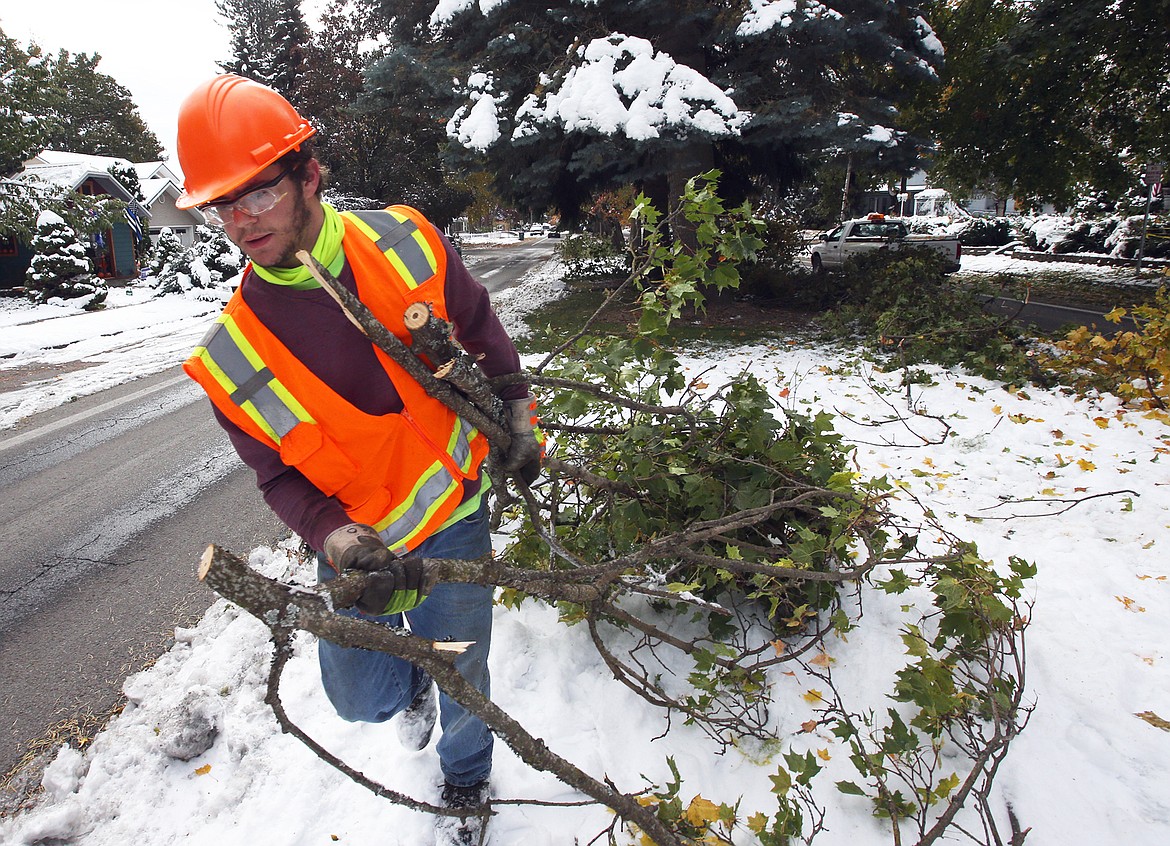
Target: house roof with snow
{"x":157,"y":170}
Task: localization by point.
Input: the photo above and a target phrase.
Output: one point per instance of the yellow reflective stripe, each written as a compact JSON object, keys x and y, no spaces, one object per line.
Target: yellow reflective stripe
{"x":406,"y":275}
{"x":249,"y":352}
{"x":365,"y":228}
{"x":404,"y":523}
{"x":402,"y":242}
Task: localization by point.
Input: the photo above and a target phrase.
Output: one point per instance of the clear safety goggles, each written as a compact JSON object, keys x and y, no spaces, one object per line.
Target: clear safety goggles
{"x":257,"y":201}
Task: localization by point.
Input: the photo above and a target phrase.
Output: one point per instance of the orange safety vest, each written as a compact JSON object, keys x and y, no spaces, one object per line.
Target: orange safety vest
{"x":401,"y":473}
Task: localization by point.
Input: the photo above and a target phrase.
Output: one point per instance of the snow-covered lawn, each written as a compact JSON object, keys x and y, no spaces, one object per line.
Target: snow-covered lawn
{"x":1089,"y":768}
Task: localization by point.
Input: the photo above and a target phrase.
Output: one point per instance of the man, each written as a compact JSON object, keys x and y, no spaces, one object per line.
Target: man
{"x":349,"y":451}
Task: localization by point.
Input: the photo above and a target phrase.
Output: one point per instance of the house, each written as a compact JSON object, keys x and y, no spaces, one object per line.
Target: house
{"x":161,"y":187}
{"x":112,"y":250}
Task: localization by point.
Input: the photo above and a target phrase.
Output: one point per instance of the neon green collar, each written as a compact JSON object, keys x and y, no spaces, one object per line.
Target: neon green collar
{"x":327,"y":250}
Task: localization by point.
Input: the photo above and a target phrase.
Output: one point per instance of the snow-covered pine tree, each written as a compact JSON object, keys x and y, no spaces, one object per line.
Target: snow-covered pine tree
{"x":567,"y":97}
{"x":168,"y":258}
{"x":268,"y":39}
{"x":215,"y":260}
{"x":60,"y":267}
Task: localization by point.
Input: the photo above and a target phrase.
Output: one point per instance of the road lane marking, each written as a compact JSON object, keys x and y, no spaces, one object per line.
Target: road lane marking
{"x":81,"y":416}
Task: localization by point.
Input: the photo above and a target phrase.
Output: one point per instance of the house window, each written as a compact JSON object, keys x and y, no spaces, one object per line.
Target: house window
{"x":7,"y":246}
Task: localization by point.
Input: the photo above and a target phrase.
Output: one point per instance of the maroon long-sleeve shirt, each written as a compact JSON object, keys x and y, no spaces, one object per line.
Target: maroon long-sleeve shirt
{"x":316,"y":331}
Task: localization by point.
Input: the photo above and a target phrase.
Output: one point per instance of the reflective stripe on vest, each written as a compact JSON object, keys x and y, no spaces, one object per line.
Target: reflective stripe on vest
{"x":400,"y":526}
{"x":237,"y":367}
{"x":444,"y":450}
{"x":399,"y":238}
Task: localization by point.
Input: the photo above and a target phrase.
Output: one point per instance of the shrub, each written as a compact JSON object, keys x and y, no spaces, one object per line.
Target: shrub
{"x":1134,"y":365}
{"x":588,"y":258}
{"x":904,"y":304}
{"x":986,"y":232}
{"x":778,"y":272}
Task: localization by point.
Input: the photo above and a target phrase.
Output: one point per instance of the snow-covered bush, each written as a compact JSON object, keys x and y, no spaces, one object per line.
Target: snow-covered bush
{"x":208,"y":266}
{"x":60,"y":267}
{"x":986,"y":232}
{"x":1125,"y":239}
{"x":222,"y":259}
{"x":1041,"y":232}
{"x":588,"y":257}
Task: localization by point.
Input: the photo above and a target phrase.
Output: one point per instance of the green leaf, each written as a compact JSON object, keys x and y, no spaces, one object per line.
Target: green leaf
{"x":850,"y":788}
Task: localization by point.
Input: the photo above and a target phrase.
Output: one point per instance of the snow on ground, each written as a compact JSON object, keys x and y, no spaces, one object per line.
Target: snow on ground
{"x":1087,"y":770}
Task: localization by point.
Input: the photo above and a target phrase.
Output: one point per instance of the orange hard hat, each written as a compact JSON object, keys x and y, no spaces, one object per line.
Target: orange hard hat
{"x":230,"y":129}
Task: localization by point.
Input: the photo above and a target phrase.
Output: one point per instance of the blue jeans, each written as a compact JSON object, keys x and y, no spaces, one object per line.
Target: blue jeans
{"x":370,"y":686}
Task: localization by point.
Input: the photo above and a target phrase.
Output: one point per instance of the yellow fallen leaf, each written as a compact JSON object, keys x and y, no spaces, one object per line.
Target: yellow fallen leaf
{"x":813,"y":695}
{"x":1048,"y":492}
{"x":1102,"y":422}
{"x":204,"y":770}
{"x":779,"y":646}
{"x":1154,"y":720}
{"x":1086,"y":465}
{"x":822,"y":659}
{"x":701,"y":812}
{"x":823,"y":754}
{"x":1130,"y":604}
{"x":997,"y":409}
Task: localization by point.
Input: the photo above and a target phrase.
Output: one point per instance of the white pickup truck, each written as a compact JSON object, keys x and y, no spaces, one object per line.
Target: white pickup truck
{"x":877,"y":232}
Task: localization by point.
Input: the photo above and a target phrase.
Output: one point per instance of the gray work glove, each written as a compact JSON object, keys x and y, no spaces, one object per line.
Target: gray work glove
{"x":527,"y":448}
{"x":395,"y":584}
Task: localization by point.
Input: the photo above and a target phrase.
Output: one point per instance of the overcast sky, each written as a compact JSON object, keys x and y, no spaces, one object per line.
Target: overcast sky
{"x":158,"y":51}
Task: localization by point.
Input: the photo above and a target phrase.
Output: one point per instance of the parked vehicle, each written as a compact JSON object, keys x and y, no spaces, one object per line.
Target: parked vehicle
{"x":877,"y":232}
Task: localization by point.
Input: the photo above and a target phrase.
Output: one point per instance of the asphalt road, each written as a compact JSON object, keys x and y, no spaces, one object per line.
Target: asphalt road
{"x":109,"y":501}
{"x":501,"y":266}
{"x":1050,"y":318}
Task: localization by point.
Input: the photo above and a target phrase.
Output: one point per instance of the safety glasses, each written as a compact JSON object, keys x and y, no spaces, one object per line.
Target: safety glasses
{"x":257,"y":201}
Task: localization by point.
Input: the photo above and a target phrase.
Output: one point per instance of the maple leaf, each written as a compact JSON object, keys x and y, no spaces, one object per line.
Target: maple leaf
{"x":809,"y":726}
{"x":1154,"y":720}
{"x":1086,"y":465}
{"x":822,"y":659}
{"x":824,"y":755}
{"x":813,"y":695}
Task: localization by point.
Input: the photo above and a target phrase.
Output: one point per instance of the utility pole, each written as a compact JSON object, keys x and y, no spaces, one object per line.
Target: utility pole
{"x":845,"y":189}
{"x":1153,"y":177}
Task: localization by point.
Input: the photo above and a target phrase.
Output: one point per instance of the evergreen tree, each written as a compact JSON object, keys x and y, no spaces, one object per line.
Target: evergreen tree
{"x":380,"y":146}
{"x":566,"y":98}
{"x":26,"y":120}
{"x":166,"y":250}
{"x":94,"y":114}
{"x":60,"y":267}
{"x":268,"y":42}
{"x":215,"y":253}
